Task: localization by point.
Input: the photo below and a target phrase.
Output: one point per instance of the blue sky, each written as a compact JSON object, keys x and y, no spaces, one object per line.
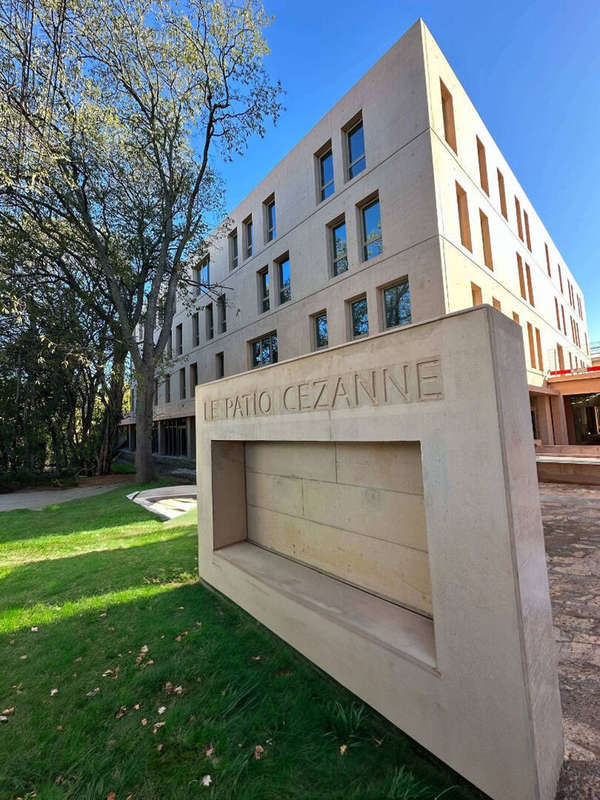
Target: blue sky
{"x":532,"y":70}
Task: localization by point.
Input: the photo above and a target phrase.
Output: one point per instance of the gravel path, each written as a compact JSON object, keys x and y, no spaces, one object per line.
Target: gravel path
{"x":34,"y":499}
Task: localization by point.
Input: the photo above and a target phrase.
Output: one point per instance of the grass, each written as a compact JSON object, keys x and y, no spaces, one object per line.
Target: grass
{"x":102,"y":617}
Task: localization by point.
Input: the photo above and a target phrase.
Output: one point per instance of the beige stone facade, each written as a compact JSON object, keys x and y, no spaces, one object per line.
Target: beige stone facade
{"x":422,"y":148}
{"x":345,"y":503}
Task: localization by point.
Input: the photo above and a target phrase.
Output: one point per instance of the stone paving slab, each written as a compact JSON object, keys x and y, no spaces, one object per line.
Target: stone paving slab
{"x":571,"y":516}
{"x":34,"y":499}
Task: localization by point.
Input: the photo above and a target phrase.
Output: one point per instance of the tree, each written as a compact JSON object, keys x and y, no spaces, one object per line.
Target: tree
{"x":110,"y":112}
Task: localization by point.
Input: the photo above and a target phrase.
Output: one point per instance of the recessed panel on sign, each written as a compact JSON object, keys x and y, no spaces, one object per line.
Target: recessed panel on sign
{"x":354,"y":510}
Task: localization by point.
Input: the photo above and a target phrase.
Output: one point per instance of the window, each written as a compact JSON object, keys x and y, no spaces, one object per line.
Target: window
{"x":561,"y":356}
{"x":483,"y":176}
{"x":270,"y":219}
{"x":222,"y":309}
{"x":193,"y":378}
{"x":168,"y":389}
{"x":562,"y":308}
{"x":325,"y":166}
{"x":527,"y":234}
{"x":448,"y":114}
{"x":321,"y":332}
{"x":371,"y":230}
{"x":476,"y":294}
{"x":155,"y":395}
{"x":529,"y":285}
{"x":359,"y":317}
{"x":521,"y":277}
{"x":205,"y":273}
{"x":531,"y":345}
{"x":538,"y":341}
{"x":496,"y":303}
{"x":179,"y":339}
{"x":557,"y":313}
{"x":463,"y":217}
{"x":502,"y":193}
{"x":210,"y":326}
{"x":547,"y":260}
{"x":485,"y":238}
{"x":285,"y":285}
{"x":248,"y":241}
{"x":339,"y":247}
{"x":263,"y":289}
{"x":518,"y":214}
{"x":170,"y":345}
{"x":264,"y":350}
{"x":233,"y":250}
{"x":195,"y":330}
{"x":570,"y":361}
{"x":220,"y":362}
{"x":560,"y":279}
{"x":355,"y":144}
{"x":196,"y":280}
{"x":182,"y":383}
{"x":516,"y":318}
{"x":396,"y":304}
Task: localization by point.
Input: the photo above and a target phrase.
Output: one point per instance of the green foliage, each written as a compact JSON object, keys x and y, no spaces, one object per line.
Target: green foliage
{"x":109,"y":115}
{"x":99,"y":595}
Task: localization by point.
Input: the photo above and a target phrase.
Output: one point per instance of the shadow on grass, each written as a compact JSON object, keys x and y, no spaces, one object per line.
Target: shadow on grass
{"x":241,"y":687}
{"x":109,"y":509}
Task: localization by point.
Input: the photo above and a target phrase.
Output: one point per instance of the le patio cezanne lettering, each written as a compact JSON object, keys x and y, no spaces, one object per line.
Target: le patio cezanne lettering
{"x":400,"y":383}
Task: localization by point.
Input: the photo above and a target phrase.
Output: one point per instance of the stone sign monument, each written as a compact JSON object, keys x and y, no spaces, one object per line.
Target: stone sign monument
{"x":376,"y":506}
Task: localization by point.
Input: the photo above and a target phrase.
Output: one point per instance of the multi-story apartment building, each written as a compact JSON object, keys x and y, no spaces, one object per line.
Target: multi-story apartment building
{"x":397,"y":207}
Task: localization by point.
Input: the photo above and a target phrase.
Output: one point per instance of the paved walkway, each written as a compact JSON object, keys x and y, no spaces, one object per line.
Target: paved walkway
{"x":571,"y":516}
{"x":35,"y":499}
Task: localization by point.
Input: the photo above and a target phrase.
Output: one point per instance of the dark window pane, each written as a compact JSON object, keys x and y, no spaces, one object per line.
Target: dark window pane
{"x":234,"y":251}
{"x":271,"y":222}
{"x":274,"y":348}
{"x":327,"y":184}
{"x":356,"y":150}
{"x":256,"y":354}
{"x":340,"y":249}
{"x":373,"y":244}
{"x":321,"y":334}
{"x":205,"y":273}
{"x":285,"y":288}
{"x":360,"y":317}
{"x":396,"y":301}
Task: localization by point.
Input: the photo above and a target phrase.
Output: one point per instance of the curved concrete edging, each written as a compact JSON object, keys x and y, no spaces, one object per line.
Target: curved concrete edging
{"x":167,"y":502}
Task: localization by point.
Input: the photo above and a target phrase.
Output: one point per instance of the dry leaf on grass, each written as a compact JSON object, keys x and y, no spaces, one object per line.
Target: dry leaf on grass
{"x":259,"y":752}
{"x":206,"y":780}
{"x":162,"y":709}
{"x":9,"y":711}
{"x":159,"y":747}
{"x":3,"y":718}
{"x":53,"y":692}
{"x":343,"y":749}
{"x":35,"y":629}
{"x":157,"y":726}
{"x":111,"y":796}
{"x":209,"y":752}
{"x":144,"y":721}
{"x":121,"y":712}
{"x":94,"y":692}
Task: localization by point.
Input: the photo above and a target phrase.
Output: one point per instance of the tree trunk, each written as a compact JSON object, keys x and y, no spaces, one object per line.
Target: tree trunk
{"x":113,"y":411}
{"x":143,"y":424}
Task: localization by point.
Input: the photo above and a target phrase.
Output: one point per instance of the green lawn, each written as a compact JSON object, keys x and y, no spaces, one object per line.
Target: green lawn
{"x":102,"y":619}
